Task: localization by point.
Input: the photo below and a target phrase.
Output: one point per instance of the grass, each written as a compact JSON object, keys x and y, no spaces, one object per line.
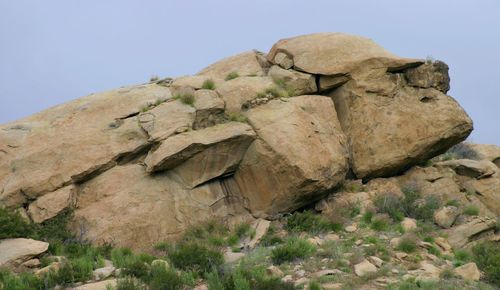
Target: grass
{"x":237,"y":117}
{"x":407,"y":244}
{"x":471,"y":210}
{"x":208,"y":84}
{"x":453,"y":202}
{"x":185,"y":98}
{"x":409,"y":205}
{"x":271,"y":238}
{"x":294,"y":248}
{"x":307,"y":221}
{"x":379,"y":224}
{"x":232,"y":75}
{"x":12,"y":225}
{"x":196,"y":257}
{"x":243,"y":278}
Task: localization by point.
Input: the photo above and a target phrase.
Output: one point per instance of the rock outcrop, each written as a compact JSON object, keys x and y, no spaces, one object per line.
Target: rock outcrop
{"x":252,"y":135}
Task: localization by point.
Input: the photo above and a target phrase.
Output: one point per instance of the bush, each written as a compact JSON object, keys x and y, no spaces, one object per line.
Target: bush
{"x":309,"y":222}
{"x":237,"y":117}
{"x":25,"y":281}
{"x":161,"y":278}
{"x":195,"y":257}
{"x":243,"y":278}
{"x":130,"y":283}
{"x":391,"y":205}
{"x":294,"y":248}
{"x":407,"y":245}
{"x":379,"y":224}
{"x":487,"y":257}
{"x":12,"y":225}
{"x":208,"y":85}
{"x":270,"y":238}
{"x":471,"y":210}
{"x":232,"y":75}
{"x":185,"y":98}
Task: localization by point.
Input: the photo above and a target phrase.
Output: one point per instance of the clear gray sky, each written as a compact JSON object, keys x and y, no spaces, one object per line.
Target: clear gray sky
{"x":53,"y":51}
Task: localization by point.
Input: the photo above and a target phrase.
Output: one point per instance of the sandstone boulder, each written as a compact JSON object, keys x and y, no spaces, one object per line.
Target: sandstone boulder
{"x":209,"y":109}
{"x":70,"y":142}
{"x":487,"y":190}
{"x":432,"y":74}
{"x":471,"y":168}
{"x":280,"y":172}
{"x":51,"y":204}
{"x":248,"y":63}
{"x":468,"y":271}
{"x":14,"y":252}
{"x":238,"y":91}
{"x":487,"y":152}
{"x":364,"y":268}
{"x":300,"y":83}
{"x":128,"y":207}
{"x":199,"y":156}
{"x":460,"y":235}
{"x":446,"y":216}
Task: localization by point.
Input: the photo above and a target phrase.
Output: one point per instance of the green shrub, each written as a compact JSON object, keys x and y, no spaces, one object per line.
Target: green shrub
{"x":391,"y":205}
{"x":24,"y":281}
{"x":232,"y":75}
{"x":195,"y":257}
{"x":294,"y":248}
{"x":309,"y":222}
{"x":185,"y":98}
{"x":12,"y":225}
{"x":130,"y":283}
{"x":379,"y":224}
{"x":242,"y":278}
{"x":270,"y":238}
{"x":55,"y":229}
{"x":367,"y":217}
{"x":314,"y":286}
{"x":453,"y":202}
{"x":208,"y":84}
{"x":471,"y":210}
{"x":161,"y":278}
{"x":407,"y":245}
{"x":487,"y":257}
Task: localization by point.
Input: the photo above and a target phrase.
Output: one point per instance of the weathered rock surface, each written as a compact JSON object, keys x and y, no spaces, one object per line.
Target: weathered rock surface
{"x":470,"y":168}
{"x":278,"y":172}
{"x":446,"y":216}
{"x":364,"y":268}
{"x":14,"y":252}
{"x":102,"y":285}
{"x":487,"y":152}
{"x":468,"y":271}
{"x":199,"y":156}
{"x":135,"y":163}
{"x":460,"y":235}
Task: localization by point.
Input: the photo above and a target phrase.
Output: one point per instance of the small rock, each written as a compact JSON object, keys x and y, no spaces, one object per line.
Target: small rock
{"x":376,"y":261}
{"x":351,"y":229}
{"x":468,"y":271}
{"x":394,"y":242}
{"x":409,"y":224}
{"x":400,"y":255}
{"x":446,"y":216}
{"x":103,"y":273}
{"x":287,"y":279}
{"x":33,"y":263}
{"x":383,"y":237}
{"x":300,"y":273}
{"x":301,"y":281}
{"x":395,"y":271}
{"x":274,"y":271}
{"x":425,"y":245}
{"x":443,"y":244}
{"x":331,"y":237}
{"x":54,"y":266}
{"x":327,"y":273}
{"x":358,"y":242}
{"x":430,"y":270}
{"x":364,"y":268}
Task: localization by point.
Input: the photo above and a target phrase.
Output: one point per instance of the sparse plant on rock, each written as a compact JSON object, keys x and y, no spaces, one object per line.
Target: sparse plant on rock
{"x":232,"y":75}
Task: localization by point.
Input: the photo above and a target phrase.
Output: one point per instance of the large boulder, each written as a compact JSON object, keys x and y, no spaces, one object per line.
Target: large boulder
{"x":392,"y":126}
{"x":199,"y":156}
{"x":126,"y":206}
{"x":238,"y":91}
{"x":300,"y":155}
{"x":71,"y":142}
{"x":14,"y":252}
{"x":487,"y":152}
{"x":51,"y":204}
{"x":250,"y":63}
{"x":334,"y":53}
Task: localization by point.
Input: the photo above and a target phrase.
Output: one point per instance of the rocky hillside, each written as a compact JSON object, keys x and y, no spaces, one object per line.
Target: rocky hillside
{"x":352,"y":136}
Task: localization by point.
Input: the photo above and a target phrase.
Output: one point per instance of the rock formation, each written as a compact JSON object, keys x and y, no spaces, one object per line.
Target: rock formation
{"x":253,"y":135}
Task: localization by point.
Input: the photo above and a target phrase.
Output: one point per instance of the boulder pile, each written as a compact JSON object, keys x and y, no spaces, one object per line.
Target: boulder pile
{"x":254,"y":135}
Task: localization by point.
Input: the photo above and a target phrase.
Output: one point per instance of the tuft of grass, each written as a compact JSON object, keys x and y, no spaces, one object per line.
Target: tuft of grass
{"x":232,"y":75}
{"x":293,"y":249}
{"x":185,"y":98}
{"x":154,"y":78}
{"x":309,"y":222}
{"x":391,"y":205}
{"x":130,"y":283}
{"x":471,"y":210}
{"x":379,"y":224}
{"x":237,"y":117}
{"x":453,"y":202}
{"x":407,"y":245}
{"x":208,"y":84}
{"x":270,"y":238}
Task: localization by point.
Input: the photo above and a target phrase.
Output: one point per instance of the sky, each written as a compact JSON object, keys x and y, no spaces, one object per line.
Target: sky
{"x":53,"y":51}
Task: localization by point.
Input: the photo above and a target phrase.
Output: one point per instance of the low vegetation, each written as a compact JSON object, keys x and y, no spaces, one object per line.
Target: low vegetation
{"x":237,"y":117}
{"x":185,"y":98}
{"x":309,"y":222}
{"x":208,"y":84}
{"x":294,"y":248}
{"x":232,"y":75}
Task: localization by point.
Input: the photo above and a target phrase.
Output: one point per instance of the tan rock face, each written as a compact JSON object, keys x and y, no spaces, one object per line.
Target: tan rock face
{"x":51,"y":204}
{"x":334,"y":53}
{"x":238,"y":91}
{"x":69,"y":142}
{"x":278,"y":172}
{"x":128,"y":207}
{"x":245,"y":64}
{"x":470,"y":168}
{"x":468,"y":271}
{"x":14,"y":252}
{"x":460,"y":235}
{"x":446,"y":216}
{"x":487,"y":152}
{"x":403,"y":124}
